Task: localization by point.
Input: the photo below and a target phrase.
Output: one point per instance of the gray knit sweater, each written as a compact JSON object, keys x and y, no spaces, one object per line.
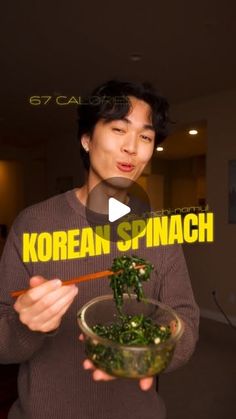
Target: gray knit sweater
{"x":52,"y":383}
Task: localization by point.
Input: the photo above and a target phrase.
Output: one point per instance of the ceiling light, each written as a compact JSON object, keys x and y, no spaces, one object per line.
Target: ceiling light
{"x":135,"y":57}
{"x":160,"y":148}
{"x":193,"y":132}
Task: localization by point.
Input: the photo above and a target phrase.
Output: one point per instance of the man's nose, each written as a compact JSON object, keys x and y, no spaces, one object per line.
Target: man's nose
{"x":130,"y":145}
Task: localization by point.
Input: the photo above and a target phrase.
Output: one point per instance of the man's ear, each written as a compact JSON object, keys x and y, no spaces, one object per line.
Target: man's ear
{"x":85,"y":140}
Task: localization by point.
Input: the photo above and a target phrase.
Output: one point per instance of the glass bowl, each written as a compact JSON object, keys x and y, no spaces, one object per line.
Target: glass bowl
{"x":124,"y":360}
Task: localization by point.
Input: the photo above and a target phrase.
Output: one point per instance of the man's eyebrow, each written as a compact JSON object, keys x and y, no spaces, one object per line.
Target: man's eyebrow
{"x":145,"y":126}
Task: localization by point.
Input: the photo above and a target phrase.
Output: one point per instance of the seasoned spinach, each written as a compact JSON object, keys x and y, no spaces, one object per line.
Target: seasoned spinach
{"x":133,"y":330}
{"x":128,"y":278}
{"x":130,"y":330}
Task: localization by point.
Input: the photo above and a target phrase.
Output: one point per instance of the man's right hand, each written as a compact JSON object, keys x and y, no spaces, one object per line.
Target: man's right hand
{"x":41,"y":308}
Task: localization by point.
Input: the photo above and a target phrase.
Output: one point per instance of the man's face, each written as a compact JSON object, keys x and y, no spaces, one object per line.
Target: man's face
{"x":121,"y":148}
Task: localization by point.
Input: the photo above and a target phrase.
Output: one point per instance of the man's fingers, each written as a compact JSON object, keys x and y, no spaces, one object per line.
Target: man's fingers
{"x":146,"y":383}
{"x":36,"y":293}
{"x":81,"y":337}
{"x":42,"y":307}
{"x":173,"y":326}
{"x":52,"y":304}
{"x":35,"y":281}
{"x":88,"y":365}
{"x":98,"y":375}
{"x":55,"y":321}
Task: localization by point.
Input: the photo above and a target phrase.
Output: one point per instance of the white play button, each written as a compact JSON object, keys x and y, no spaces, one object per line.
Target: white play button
{"x":116,"y":209}
{"x":108,"y":211}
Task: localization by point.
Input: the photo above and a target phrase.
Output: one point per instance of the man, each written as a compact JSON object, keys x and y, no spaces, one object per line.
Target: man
{"x":118,"y":132}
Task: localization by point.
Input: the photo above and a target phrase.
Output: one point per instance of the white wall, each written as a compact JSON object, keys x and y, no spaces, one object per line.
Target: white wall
{"x":153,"y":184}
{"x":11,"y":190}
{"x":213,"y":266}
{"x":25,"y":177}
{"x":63,"y":161}
{"x":183,"y":180}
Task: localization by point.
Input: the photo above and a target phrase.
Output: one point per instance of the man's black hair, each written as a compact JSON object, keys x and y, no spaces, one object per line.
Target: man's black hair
{"x":110,"y":102}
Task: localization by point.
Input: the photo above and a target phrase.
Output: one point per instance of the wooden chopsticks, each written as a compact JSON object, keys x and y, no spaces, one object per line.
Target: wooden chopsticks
{"x":81,"y":278}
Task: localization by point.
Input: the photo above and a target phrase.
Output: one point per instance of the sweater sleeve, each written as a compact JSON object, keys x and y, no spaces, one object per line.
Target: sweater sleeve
{"x":176,"y":291}
{"x":17,"y":342}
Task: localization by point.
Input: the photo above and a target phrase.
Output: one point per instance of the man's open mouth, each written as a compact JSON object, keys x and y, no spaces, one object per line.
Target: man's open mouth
{"x":125,"y":167}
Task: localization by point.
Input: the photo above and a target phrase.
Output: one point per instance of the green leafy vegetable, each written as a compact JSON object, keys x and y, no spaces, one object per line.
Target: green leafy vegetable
{"x":130,"y":330}
{"x":128,"y":277}
{"x":133,"y":330}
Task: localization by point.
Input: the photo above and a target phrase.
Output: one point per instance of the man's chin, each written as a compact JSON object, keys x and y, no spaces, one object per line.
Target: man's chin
{"x":119,"y":182}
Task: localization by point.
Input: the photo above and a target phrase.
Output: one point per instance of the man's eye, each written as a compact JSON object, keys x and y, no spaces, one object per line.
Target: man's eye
{"x":145,"y":138}
{"x":118,"y":130}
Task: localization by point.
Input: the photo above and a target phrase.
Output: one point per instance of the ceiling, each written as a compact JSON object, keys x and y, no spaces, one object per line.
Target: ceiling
{"x":187,"y":50}
{"x":181,"y":145}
